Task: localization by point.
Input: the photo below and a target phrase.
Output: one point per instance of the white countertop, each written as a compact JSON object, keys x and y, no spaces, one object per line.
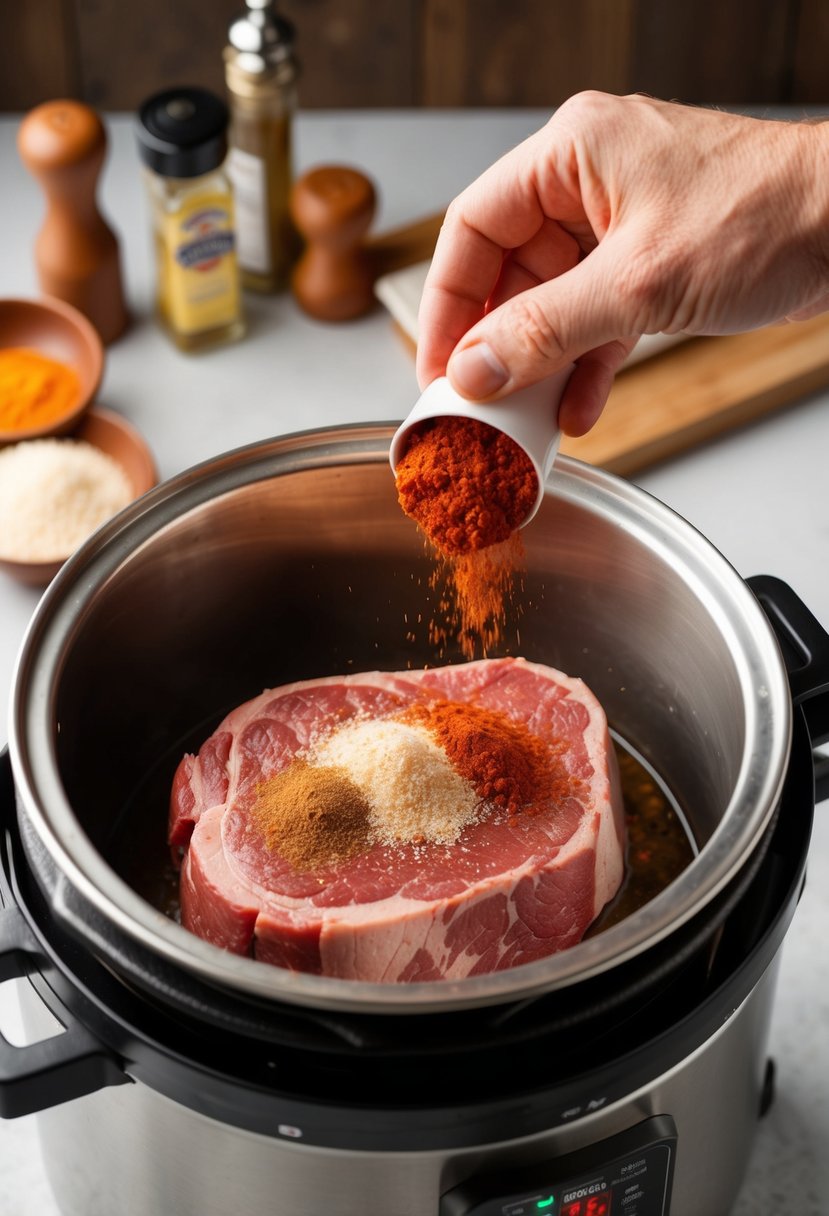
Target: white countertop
{"x":760,"y":496}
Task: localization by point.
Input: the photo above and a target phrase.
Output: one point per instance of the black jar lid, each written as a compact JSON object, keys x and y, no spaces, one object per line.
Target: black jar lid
{"x":182,"y":132}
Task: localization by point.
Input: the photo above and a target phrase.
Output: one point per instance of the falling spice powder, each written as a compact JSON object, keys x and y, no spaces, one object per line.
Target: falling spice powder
{"x":469,"y":487}
{"x":477,"y":597}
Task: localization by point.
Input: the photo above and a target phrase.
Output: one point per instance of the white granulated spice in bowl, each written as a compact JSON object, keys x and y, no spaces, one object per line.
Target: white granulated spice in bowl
{"x":54,"y":493}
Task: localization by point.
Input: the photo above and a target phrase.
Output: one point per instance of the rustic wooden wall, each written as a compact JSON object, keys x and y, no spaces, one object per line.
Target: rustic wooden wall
{"x":365,"y":53}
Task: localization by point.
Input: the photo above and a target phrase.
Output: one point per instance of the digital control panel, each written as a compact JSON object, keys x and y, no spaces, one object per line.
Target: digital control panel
{"x":628,"y":1175}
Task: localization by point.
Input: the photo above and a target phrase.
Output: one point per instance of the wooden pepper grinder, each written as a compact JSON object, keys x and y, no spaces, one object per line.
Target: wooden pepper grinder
{"x":332,"y":208}
{"x":63,"y":144}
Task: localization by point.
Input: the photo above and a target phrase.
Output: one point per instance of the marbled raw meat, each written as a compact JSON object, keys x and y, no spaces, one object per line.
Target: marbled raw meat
{"x":509,"y":891}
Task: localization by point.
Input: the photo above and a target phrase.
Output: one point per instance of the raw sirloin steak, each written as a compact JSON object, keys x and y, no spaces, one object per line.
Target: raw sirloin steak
{"x":511,"y":889}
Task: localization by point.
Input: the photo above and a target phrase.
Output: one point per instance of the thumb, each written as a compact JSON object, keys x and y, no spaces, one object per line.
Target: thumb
{"x":541,"y":330}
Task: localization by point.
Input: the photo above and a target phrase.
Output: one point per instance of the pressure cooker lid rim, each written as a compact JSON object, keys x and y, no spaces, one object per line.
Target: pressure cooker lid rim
{"x":44,"y":801}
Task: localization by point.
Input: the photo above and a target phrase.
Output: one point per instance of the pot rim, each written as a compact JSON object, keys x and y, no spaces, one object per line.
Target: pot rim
{"x":41,"y":796}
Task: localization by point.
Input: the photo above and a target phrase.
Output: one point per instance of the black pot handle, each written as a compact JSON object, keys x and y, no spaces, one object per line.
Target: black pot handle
{"x":66,"y":1066}
{"x":44,"y":1074}
{"x":805,"y":647}
{"x":47,"y":1073}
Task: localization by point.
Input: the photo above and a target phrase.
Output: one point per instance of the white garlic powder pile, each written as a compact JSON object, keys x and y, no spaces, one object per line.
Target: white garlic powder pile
{"x":412,"y":790}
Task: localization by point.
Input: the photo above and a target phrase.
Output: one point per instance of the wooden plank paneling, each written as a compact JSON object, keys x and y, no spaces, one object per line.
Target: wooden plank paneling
{"x":38,"y":59}
{"x":359,"y":53}
{"x":113,"y":53}
{"x":486,"y":53}
{"x":129,"y":51}
{"x":810,"y":69}
{"x":444,"y":68}
{"x":363,"y":50}
{"x":708,"y":51}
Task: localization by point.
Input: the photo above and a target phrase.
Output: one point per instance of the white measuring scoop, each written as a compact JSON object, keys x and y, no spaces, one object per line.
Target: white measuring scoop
{"x":528,"y":416}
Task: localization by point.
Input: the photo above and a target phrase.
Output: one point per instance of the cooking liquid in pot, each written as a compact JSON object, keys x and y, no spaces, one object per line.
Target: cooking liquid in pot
{"x":659,"y":842}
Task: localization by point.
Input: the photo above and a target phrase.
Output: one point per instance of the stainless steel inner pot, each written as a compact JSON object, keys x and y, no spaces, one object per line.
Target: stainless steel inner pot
{"x":291,"y":559}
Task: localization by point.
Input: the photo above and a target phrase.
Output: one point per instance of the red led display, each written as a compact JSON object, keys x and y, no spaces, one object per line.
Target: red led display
{"x":592,"y":1205}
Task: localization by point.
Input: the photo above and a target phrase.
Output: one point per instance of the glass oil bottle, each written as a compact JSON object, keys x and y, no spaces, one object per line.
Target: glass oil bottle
{"x":261,"y":74}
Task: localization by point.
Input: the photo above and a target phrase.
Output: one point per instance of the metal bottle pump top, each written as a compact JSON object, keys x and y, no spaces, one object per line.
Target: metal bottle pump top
{"x":262,"y":37}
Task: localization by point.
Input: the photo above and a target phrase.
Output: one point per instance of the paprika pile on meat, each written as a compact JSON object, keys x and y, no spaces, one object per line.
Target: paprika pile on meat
{"x":507,"y":765}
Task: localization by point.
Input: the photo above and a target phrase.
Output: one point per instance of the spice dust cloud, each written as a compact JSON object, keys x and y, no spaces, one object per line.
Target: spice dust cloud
{"x":469,"y":487}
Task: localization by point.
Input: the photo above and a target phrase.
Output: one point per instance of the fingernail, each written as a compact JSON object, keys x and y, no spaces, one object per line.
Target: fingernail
{"x":476,"y":371}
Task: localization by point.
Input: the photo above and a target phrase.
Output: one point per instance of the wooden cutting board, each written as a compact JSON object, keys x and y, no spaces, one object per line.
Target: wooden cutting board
{"x":690,"y":394}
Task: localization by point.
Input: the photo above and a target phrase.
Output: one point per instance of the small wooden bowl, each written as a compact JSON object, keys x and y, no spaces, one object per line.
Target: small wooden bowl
{"x":61,"y":332}
{"x":117,"y":438}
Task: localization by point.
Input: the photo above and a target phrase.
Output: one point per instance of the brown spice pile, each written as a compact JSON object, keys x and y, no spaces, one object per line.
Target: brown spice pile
{"x":312,"y":816}
{"x":467,"y":484}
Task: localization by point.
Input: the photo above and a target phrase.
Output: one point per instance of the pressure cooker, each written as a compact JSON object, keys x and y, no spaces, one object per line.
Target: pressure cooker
{"x":622,"y":1077}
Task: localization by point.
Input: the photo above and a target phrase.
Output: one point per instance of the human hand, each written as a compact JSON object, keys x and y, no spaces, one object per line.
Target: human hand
{"x":623,"y":216}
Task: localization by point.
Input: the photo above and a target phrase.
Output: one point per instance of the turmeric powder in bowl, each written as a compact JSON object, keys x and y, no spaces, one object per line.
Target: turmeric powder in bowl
{"x":35,"y":390}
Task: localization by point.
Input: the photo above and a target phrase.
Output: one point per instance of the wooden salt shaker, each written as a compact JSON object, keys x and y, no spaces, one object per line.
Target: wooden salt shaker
{"x":63,"y":144}
{"x":332,"y":207}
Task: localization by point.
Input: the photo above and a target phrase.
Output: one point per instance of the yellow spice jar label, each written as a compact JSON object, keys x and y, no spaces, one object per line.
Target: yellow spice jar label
{"x":199,"y":279}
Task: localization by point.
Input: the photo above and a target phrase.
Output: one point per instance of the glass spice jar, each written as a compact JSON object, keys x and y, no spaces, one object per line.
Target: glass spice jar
{"x":182,"y":141}
{"x":261,"y":74}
